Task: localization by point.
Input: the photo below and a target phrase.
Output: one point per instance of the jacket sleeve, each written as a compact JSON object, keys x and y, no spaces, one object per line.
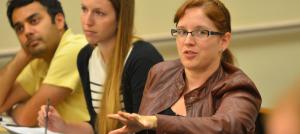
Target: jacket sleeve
{"x":236,"y":114}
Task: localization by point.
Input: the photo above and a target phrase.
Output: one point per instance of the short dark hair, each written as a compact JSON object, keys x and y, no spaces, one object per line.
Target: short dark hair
{"x":53,"y":8}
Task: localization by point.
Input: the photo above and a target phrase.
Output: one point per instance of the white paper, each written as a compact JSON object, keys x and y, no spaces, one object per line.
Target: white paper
{"x":6,"y":121}
{"x":28,"y":130}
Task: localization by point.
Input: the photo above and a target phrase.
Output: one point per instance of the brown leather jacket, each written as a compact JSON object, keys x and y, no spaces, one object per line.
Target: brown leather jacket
{"x":228,"y":102}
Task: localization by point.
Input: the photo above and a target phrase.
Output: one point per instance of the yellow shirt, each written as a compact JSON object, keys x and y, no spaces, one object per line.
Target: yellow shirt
{"x":62,"y":71}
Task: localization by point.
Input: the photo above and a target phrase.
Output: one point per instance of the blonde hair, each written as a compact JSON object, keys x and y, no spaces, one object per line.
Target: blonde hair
{"x":124,"y":10}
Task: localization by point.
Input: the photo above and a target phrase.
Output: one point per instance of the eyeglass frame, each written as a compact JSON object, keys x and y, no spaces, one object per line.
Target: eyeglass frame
{"x":186,"y":33}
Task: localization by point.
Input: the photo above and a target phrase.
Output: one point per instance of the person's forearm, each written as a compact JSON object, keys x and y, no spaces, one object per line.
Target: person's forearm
{"x":22,"y":118}
{"x":78,"y":128}
{"x":5,"y":107}
{"x":9,"y":73}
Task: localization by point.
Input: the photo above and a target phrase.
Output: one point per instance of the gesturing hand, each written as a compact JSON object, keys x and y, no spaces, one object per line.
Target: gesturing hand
{"x":133,"y":122}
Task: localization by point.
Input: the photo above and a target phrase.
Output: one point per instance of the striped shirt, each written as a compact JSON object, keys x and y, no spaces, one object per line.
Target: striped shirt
{"x":97,"y":72}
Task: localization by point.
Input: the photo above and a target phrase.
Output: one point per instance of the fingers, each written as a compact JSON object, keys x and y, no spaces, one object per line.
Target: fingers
{"x":128,"y":116}
{"x":41,"y":122}
{"x":136,"y":116}
{"x":42,"y":115}
{"x":131,"y":122}
{"x":124,"y":117}
{"x":118,"y":117}
{"x":132,"y":119}
{"x":122,"y":130}
{"x":43,"y":110}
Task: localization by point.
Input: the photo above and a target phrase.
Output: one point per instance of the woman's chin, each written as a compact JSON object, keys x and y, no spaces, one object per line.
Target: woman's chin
{"x":93,"y":42}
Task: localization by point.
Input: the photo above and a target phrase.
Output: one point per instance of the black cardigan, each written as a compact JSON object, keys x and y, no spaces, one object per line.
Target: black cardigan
{"x":142,"y":57}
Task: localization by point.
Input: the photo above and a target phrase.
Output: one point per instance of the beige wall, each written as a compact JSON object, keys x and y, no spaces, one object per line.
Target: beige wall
{"x":270,"y":57}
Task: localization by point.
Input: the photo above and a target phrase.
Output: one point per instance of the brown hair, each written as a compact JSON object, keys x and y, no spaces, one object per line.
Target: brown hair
{"x":216,"y":11}
{"x":124,"y":10}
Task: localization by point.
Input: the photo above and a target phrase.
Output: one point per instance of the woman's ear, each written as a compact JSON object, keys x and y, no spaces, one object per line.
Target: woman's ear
{"x":60,"y":21}
{"x":225,"y":41}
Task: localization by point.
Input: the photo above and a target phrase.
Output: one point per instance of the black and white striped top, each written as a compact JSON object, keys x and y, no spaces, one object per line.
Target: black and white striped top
{"x":97,"y":69}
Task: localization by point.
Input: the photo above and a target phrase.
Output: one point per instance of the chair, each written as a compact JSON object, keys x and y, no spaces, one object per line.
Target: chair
{"x":261,"y":121}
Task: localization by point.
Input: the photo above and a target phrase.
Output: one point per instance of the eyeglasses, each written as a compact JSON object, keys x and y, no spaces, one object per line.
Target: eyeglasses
{"x":199,"y":34}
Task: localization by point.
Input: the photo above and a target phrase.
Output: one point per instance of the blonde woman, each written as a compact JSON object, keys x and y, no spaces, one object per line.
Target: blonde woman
{"x":113,"y":67}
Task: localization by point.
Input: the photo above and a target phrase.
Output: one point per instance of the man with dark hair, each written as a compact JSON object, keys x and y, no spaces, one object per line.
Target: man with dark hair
{"x":45,"y":67}
{"x":53,"y":8}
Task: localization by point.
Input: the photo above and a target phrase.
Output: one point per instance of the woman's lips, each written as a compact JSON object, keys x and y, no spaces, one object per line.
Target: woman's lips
{"x":89,"y":32}
{"x":189,"y":54}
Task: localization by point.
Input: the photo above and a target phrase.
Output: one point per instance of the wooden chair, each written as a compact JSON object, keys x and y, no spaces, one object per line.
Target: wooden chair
{"x":261,"y":121}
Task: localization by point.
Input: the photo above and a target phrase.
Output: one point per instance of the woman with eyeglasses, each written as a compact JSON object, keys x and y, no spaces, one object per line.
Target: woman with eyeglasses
{"x":203,"y":92}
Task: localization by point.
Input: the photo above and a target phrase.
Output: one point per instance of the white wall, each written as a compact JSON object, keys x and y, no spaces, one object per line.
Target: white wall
{"x":269,"y":57}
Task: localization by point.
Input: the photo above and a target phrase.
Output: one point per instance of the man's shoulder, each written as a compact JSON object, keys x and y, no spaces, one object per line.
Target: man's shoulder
{"x":72,"y":41}
{"x":77,"y":38}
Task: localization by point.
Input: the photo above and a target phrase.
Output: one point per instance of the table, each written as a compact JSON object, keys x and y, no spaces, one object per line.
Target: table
{"x":4,"y":130}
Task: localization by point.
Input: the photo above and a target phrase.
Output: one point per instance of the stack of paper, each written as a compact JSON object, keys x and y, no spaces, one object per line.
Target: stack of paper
{"x":28,"y":130}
